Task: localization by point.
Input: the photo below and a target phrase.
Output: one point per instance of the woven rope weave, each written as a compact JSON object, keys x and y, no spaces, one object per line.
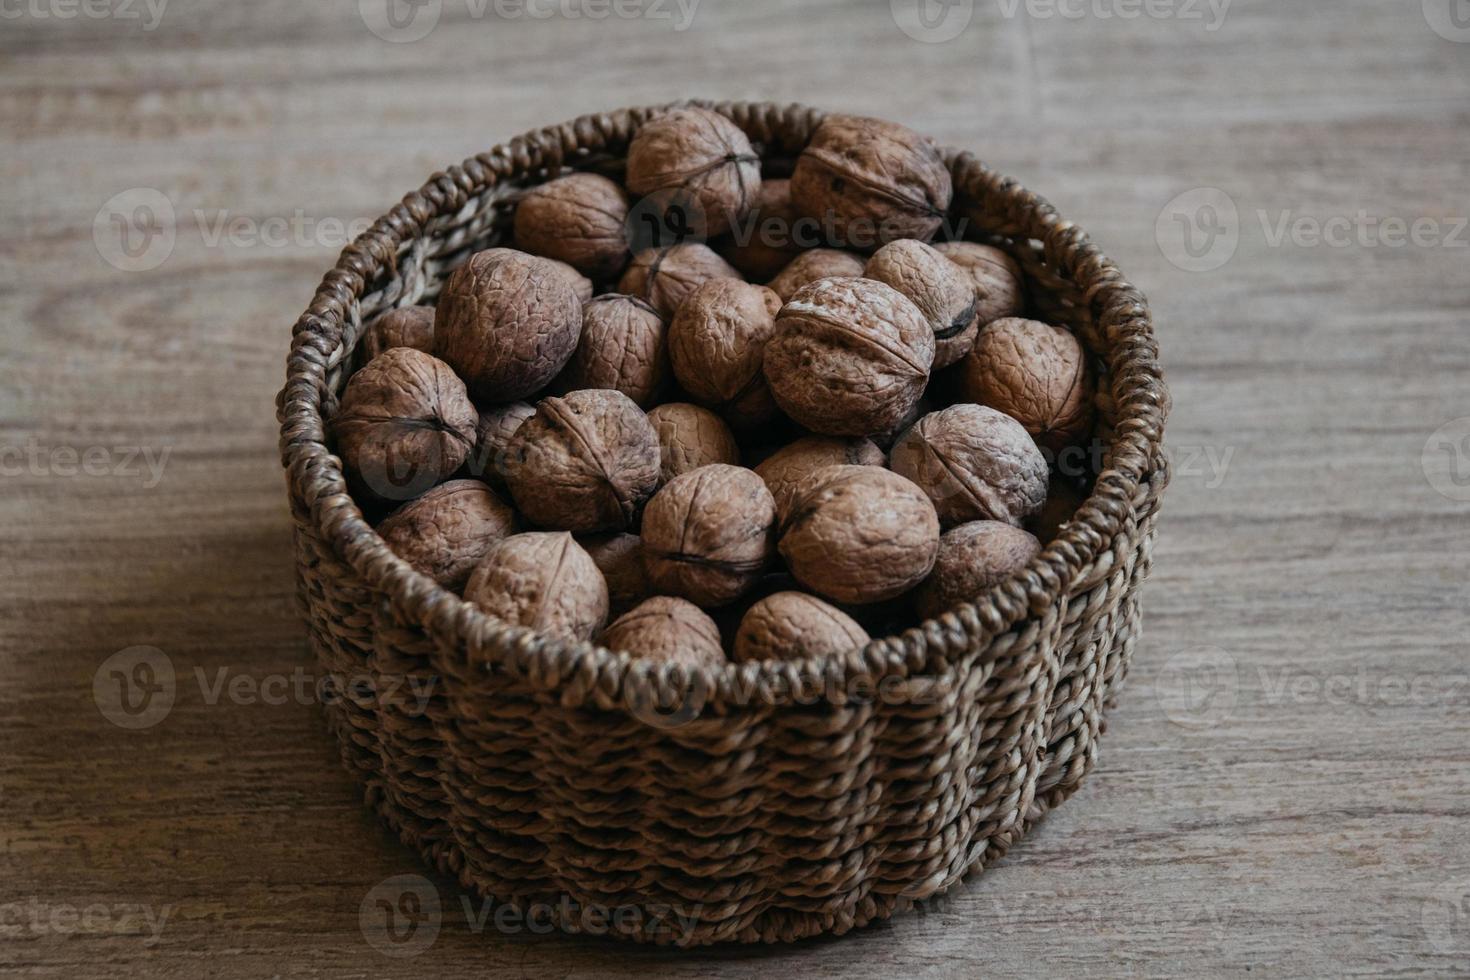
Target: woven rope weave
{"x":760,"y":802}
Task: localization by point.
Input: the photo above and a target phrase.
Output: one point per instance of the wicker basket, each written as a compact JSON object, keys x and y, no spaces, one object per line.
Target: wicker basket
{"x":756,"y":803}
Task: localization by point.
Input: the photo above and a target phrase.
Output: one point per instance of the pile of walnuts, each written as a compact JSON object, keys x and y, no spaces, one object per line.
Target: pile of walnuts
{"x":791,"y":419}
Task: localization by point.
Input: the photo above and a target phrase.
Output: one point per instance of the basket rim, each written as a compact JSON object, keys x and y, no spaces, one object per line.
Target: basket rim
{"x":578,"y":670}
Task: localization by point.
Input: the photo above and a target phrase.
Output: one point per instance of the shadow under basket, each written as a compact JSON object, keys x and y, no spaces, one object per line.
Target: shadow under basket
{"x":750,"y":803}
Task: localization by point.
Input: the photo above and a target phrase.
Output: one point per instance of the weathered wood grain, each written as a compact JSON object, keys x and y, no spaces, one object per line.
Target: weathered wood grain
{"x":1310,"y":817}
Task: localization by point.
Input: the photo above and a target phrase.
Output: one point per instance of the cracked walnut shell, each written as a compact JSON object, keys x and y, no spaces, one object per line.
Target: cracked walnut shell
{"x":942,"y":291}
{"x":622,"y":348}
{"x":975,"y":464}
{"x":580,"y":219}
{"x":707,"y":534}
{"x":973,"y":558}
{"x":690,"y":437}
{"x":701,"y":158}
{"x":666,"y":628}
{"x":717,"y":341}
{"x":793,"y":625}
{"x":445,"y":533}
{"x":585,"y":462}
{"x":1035,"y":373}
{"x":871,"y":182}
{"x":507,"y":323}
{"x":405,"y":423}
{"x":544,"y":581}
{"x":850,"y":357}
{"x":859,"y":534}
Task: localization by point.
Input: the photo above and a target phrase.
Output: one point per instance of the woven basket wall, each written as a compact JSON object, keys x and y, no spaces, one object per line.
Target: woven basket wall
{"x":539,"y":771}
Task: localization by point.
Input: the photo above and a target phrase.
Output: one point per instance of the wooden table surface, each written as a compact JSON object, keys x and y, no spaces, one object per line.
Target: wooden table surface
{"x":1285,"y":786}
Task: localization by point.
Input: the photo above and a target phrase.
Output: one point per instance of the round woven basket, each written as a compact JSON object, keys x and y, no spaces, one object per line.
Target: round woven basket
{"x":750,"y":803}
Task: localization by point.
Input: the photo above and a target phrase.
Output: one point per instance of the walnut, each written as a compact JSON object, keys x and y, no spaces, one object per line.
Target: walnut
{"x":792,"y":625}
{"x":704,"y":159}
{"x":507,"y":323}
{"x":580,"y":284}
{"x":445,"y":533}
{"x":975,"y":464}
{"x":716,"y":343}
{"x":666,"y":276}
{"x":871,"y":182}
{"x":1035,"y":373}
{"x":586,"y":462}
{"x":406,"y":326}
{"x":492,"y":439}
{"x":850,"y":356}
{"x":404,"y":424}
{"x":619,"y":556}
{"x":770,"y":237}
{"x":972,"y":558}
{"x":542,"y":580}
{"x":622,"y":347}
{"x":997,"y":278}
{"x":1063,"y":498}
{"x":819,"y":263}
{"x":788,"y":466}
{"x":580,"y":219}
{"x":942,"y":291}
{"x":707,"y":534}
{"x":859,"y":534}
{"x":667,"y":629}
{"x":690,"y":437}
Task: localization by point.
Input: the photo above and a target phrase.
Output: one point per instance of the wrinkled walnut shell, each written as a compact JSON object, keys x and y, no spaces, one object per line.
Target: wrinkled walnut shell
{"x":665,"y":277}
{"x":859,"y":534}
{"x":808,"y":267}
{"x":622,"y":348}
{"x":791,"y":464}
{"x":707,"y":534}
{"x":793,"y":625}
{"x":507,"y":323}
{"x":669,"y":629}
{"x":871,"y":182}
{"x":717,"y":341}
{"x":996,"y":276}
{"x":586,"y":462}
{"x":701,"y":159}
{"x":690,"y":437}
{"x":1035,"y":373}
{"x":973,"y":558}
{"x":975,"y":464}
{"x":498,"y":424}
{"x":619,"y":557}
{"x":544,"y":581}
{"x":942,"y":291}
{"x":406,"y":326}
{"x":769,"y":237}
{"x":405,"y":423}
{"x":580,"y":219}
{"x":445,"y":533}
{"x":850,"y":357}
